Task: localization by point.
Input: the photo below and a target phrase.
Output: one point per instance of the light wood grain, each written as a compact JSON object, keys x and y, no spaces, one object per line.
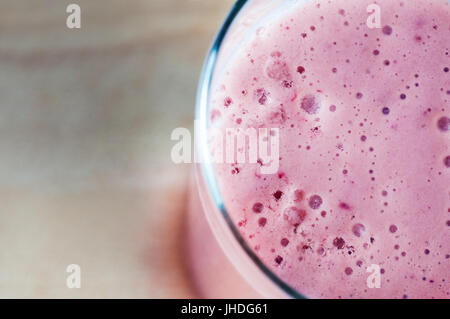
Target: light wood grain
{"x":86,"y":117}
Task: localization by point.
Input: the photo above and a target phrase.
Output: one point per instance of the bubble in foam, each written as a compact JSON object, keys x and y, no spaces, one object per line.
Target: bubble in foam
{"x":257,"y":208}
{"x":393,"y":228}
{"x":387,"y":30}
{"x":321,"y":251}
{"x":447,"y":161}
{"x":358,"y":230}
{"x":315,"y":201}
{"x":443,"y":124}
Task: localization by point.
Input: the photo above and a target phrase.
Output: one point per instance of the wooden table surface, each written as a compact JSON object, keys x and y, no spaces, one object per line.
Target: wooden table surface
{"x":85,"y":121}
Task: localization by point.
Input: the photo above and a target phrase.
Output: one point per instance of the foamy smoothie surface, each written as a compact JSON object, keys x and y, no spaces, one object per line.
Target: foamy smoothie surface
{"x":364,"y":166}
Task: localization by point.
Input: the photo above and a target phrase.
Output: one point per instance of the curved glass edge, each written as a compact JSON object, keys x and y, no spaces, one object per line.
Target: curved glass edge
{"x":201,"y":138}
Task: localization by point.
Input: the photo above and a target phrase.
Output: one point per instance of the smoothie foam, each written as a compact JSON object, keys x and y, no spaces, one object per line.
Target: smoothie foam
{"x":364,"y":168}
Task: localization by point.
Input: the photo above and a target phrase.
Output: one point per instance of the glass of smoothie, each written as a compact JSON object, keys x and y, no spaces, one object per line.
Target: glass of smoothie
{"x":323,"y":152}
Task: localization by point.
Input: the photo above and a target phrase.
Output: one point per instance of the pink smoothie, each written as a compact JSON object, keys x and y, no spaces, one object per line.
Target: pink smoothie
{"x":364,"y":167}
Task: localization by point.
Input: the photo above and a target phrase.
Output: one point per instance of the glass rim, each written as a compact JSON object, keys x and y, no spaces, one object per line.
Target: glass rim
{"x":207,"y":169}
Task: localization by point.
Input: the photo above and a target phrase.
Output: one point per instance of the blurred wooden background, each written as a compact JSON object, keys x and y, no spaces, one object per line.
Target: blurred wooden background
{"x":85,"y":123}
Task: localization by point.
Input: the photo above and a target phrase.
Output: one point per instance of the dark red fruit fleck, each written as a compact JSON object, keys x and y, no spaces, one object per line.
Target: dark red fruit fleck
{"x":278,"y":195}
{"x":278,"y":259}
{"x":284,"y":242}
{"x":358,"y":230}
{"x":262,"y":221}
{"x":300,"y":69}
{"x":257,"y":208}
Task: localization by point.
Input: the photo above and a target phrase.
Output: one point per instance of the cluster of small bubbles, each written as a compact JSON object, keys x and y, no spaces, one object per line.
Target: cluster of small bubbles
{"x":277,"y":69}
{"x":315,"y":201}
{"x":294,"y":215}
{"x":310,"y":104}
{"x":339,"y":242}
